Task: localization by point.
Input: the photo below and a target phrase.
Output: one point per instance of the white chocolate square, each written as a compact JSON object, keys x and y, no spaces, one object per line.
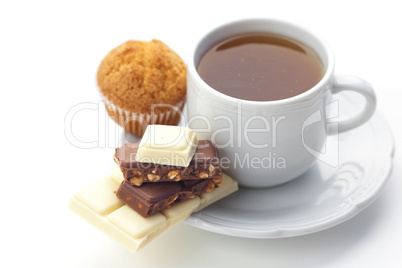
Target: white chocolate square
{"x":167,"y":145}
{"x":186,"y":207}
{"x":100,"y":196}
{"x":181,"y":211}
{"x":134,"y":224}
{"x":227,"y":187}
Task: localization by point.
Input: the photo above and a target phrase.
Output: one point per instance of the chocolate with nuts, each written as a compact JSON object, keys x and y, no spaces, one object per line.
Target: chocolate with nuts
{"x":153,"y":197}
{"x":203,"y":165}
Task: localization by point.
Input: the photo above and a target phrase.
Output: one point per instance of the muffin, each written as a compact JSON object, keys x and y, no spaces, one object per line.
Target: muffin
{"x":142,"y":83}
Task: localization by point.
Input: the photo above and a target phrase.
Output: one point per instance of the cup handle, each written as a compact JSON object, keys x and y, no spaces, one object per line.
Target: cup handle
{"x":352,"y":83}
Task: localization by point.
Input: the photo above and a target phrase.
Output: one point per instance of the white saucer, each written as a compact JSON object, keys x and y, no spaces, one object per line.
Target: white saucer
{"x":321,"y":198}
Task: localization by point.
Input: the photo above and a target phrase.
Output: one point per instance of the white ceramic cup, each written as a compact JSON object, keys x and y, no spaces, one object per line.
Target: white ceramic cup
{"x":266,"y":143}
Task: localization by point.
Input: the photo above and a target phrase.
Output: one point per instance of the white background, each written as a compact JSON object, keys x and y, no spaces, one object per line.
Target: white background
{"x":49,"y":54}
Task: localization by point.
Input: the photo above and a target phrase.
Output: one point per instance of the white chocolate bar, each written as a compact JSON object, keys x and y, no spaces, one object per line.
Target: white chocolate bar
{"x":97,"y":203}
{"x":167,"y":145}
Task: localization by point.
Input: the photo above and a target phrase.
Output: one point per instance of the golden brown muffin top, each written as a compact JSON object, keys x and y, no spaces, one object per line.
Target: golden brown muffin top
{"x":137,"y":74}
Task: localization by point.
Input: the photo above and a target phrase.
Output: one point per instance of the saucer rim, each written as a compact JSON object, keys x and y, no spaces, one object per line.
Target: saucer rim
{"x":352,"y":208}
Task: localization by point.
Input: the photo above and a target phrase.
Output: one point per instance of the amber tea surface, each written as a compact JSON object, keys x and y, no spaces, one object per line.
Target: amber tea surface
{"x":261,"y":67}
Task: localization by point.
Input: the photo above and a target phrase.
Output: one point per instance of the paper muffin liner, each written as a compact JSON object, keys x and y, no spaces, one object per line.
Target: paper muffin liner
{"x":136,"y":123}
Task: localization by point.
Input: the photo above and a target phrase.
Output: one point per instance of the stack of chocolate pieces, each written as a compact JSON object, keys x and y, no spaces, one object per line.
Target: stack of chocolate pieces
{"x":168,"y":166}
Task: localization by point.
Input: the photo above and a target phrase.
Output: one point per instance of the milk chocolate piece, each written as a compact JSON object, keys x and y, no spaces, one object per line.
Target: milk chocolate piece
{"x":150,"y":198}
{"x":203,"y":165}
